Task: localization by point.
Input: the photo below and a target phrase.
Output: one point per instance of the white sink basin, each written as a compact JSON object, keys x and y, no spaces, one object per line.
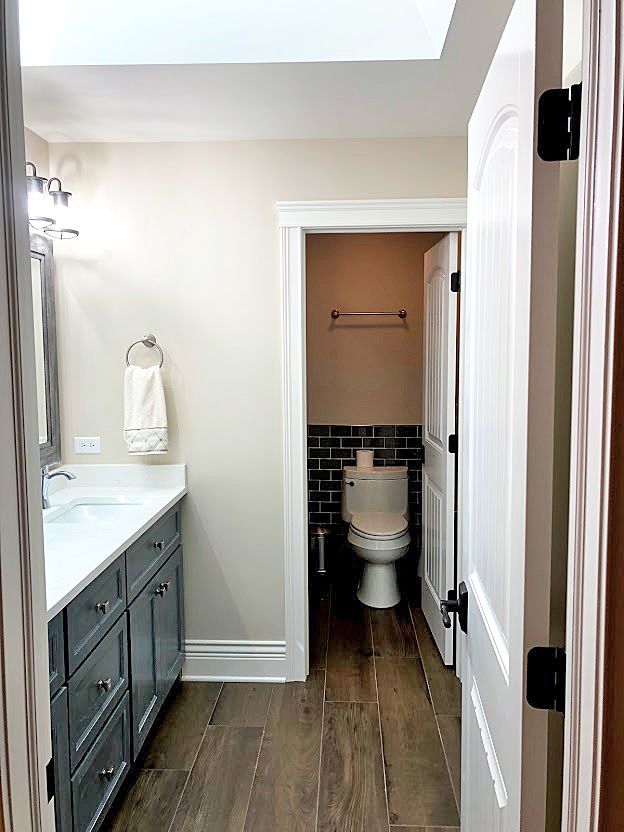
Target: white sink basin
{"x":87,"y":513}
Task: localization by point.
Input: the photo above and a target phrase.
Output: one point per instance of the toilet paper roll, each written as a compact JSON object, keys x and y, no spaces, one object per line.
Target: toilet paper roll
{"x":364,"y":459}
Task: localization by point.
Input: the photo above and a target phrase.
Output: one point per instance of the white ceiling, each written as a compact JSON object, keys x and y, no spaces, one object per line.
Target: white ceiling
{"x":285,"y":100}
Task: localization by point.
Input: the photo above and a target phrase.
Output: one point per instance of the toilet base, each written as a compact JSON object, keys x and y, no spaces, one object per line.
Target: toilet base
{"x":379,"y":587}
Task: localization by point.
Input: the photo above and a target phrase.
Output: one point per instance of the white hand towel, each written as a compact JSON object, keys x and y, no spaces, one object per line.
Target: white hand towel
{"x":145,"y":412}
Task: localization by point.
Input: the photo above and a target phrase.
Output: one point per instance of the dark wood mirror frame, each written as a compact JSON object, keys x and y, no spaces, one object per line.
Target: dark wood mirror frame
{"x":41,"y":249}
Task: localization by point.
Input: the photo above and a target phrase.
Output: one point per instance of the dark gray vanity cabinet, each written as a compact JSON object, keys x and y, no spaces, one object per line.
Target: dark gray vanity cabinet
{"x":111,"y":668}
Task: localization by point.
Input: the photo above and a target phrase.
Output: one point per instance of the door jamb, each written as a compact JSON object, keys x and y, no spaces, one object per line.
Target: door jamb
{"x":296,"y":219}
{"x":25,"y":741}
{"x":592,"y":397}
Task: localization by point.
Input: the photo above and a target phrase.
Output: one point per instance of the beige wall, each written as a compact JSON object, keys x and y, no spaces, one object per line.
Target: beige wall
{"x":37,"y":152}
{"x":181,"y":240}
{"x":365,"y":370}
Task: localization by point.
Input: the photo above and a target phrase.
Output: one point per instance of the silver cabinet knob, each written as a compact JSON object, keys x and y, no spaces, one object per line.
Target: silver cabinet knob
{"x":103,"y":607}
{"x":162,"y":588}
{"x":160,"y":545}
{"x":107,"y":773}
{"x":105,"y":684}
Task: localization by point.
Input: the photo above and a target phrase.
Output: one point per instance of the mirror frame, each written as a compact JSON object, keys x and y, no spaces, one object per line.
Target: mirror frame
{"x":41,"y":249}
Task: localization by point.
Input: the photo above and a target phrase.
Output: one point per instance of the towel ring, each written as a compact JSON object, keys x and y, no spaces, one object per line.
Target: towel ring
{"x":147,"y":341}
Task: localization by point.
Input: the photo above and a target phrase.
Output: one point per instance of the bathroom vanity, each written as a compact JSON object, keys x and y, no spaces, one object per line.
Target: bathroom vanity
{"x":113,"y":544}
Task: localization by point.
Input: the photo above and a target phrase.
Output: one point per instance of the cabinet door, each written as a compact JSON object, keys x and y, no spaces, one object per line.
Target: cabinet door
{"x":143,"y":664}
{"x":170,"y":622}
{"x":60,"y":755}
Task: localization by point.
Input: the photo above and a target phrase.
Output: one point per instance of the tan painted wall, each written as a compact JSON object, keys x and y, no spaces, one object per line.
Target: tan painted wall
{"x":365,"y":370}
{"x":37,"y":152}
{"x":182,"y":240}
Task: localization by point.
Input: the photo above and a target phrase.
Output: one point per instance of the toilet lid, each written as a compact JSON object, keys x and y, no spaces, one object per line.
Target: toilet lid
{"x":379,"y":524}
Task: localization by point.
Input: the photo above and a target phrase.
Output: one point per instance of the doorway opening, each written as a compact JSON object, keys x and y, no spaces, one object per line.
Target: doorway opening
{"x":381,"y":338}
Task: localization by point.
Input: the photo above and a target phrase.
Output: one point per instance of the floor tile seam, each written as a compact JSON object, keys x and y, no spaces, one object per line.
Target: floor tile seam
{"x":188,"y":777}
{"x":255,"y":771}
{"x":381,"y":743}
{"x":320,"y":765}
{"x":448,"y":766}
{"x":437,"y":722}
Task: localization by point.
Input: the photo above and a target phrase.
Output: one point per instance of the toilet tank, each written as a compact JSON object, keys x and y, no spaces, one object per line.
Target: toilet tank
{"x":382,"y":488}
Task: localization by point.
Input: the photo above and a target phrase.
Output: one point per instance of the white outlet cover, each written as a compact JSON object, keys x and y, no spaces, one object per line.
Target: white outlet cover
{"x":87,"y":444}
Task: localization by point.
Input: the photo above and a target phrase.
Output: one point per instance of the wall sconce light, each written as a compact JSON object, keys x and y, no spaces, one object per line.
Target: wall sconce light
{"x":48,"y":207}
{"x":62,"y":226}
{"x":39,"y":203}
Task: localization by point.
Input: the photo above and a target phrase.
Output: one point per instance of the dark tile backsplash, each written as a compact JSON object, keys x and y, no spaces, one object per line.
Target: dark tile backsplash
{"x":331,"y":447}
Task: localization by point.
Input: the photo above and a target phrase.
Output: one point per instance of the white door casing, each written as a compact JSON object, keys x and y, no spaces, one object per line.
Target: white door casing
{"x":438,"y":486}
{"x":506,"y":418}
{"x":296,"y":219}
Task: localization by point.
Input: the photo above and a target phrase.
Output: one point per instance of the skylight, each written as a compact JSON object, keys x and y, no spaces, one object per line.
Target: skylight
{"x":127,"y":32}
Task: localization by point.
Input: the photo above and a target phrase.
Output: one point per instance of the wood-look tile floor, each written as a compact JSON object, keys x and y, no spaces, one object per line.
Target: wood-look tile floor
{"x":369,"y":743}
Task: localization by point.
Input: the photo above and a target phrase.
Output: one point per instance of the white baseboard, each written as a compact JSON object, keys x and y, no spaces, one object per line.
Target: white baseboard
{"x":235,"y":661}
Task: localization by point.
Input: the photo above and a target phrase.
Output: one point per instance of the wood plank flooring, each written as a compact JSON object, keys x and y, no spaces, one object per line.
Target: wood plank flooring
{"x":369,"y":743}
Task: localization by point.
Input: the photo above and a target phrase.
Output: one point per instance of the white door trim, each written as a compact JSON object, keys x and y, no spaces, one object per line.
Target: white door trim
{"x":596,"y":273}
{"x":296,"y":219}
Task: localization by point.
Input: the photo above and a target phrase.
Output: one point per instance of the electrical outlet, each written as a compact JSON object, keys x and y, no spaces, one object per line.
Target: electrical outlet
{"x":87,"y":444}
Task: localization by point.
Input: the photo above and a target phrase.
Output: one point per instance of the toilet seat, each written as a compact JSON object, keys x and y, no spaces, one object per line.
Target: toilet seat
{"x":378,"y":525}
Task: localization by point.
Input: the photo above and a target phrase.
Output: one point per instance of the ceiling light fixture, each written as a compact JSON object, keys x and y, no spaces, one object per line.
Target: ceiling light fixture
{"x":39,"y":203}
{"x":61,"y":229}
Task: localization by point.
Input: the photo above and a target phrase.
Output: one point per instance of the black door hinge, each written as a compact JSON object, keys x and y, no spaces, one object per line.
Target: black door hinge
{"x":50,"y":780}
{"x":546,"y":678}
{"x":452,"y":443}
{"x":559,"y":124}
{"x":455,"y":281}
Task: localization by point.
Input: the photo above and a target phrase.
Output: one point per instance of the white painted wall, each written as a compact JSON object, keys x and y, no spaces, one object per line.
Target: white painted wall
{"x":181,"y":240}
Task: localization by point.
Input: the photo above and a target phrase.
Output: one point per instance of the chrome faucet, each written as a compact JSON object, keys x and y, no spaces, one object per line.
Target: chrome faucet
{"x":46,"y":476}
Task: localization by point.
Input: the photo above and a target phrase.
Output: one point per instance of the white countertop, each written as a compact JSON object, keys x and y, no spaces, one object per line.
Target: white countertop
{"x":76,"y":553}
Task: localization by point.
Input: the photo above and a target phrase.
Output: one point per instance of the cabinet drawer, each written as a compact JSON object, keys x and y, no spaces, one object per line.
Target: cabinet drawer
{"x":100,"y":775}
{"x":91,"y":615}
{"x":145,"y":557}
{"x":56,"y":653}
{"x":96,"y":688}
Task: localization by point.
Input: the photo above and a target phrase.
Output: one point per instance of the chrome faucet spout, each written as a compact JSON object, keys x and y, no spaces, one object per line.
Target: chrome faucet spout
{"x":46,"y":476}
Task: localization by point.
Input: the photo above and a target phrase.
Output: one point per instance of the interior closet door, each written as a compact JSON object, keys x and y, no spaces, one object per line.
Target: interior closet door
{"x":438,"y":487}
{"x":506,"y":416}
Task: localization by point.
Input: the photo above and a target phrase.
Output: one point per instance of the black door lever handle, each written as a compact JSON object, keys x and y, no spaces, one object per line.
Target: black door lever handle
{"x":456,"y":603}
{"x":448,"y":607}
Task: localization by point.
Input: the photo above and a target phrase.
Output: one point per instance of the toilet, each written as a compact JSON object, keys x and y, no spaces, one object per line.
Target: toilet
{"x":375,"y":504}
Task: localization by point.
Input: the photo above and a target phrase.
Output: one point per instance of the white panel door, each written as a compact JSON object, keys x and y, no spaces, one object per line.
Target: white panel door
{"x":506,"y":425}
{"x":438,"y":486}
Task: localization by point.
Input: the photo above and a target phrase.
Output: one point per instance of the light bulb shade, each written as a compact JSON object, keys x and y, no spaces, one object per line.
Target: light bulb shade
{"x":62,"y":227}
{"x":39,"y":203}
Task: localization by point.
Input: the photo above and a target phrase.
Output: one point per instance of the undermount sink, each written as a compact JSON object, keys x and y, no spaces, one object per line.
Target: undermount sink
{"x":90,"y":513}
